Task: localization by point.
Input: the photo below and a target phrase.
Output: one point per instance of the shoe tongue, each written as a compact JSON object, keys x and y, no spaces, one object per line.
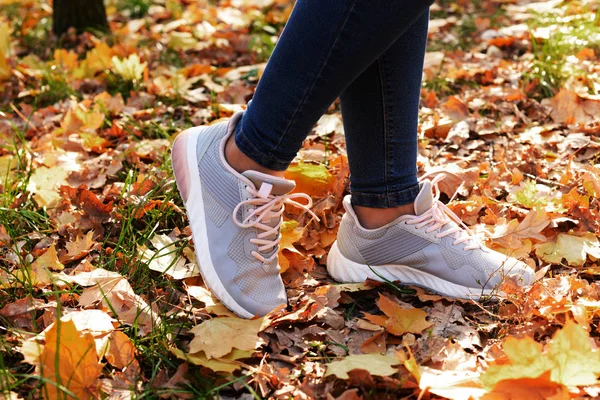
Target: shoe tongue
{"x":424,"y":199}
{"x":280,"y":185}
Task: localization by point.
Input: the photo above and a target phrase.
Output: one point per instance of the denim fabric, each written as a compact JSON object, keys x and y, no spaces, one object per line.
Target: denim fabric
{"x":368,"y":52}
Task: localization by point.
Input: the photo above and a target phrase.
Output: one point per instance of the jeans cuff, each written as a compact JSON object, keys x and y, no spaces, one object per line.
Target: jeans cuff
{"x":386,"y":200}
{"x":246,"y":146}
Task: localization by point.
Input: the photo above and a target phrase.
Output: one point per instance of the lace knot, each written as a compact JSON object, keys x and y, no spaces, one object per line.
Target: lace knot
{"x":267,"y":207}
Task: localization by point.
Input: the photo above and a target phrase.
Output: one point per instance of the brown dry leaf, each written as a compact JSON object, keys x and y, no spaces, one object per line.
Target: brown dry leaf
{"x":455,"y":108}
{"x":569,"y":108}
{"x":116,"y":294}
{"x":79,"y":248}
{"x":217,"y":337}
{"x":402,"y":320}
{"x":77,"y":368}
{"x":120,"y":352}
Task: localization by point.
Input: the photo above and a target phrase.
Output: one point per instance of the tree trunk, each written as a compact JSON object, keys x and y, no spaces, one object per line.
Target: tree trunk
{"x":81,"y":14}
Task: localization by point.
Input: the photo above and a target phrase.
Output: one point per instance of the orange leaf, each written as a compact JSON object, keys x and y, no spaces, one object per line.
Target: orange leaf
{"x":402,"y":320}
{"x":69,"y":359}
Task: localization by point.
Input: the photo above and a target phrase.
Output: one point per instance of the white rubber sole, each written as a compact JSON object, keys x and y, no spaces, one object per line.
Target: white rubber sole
{"x":195,"y":211}
{"x":344,"y":270}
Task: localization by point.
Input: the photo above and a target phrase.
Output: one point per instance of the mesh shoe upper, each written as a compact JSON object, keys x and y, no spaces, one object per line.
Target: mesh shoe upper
{"x":430,"y":241}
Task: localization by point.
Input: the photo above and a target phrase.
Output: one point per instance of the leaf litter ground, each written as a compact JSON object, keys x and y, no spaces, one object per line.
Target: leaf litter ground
{"x":99,"y":293}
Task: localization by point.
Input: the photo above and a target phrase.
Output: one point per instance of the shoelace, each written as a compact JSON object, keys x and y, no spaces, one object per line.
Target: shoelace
{"x":269,"y":206}
{"x":439,"y":215}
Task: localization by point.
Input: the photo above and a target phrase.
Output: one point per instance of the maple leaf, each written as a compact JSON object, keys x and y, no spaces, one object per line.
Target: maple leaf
{"x":79,"y":248}
{"x":568,"y":358}
{"x":130,"y":68}
{"x":219,"y":336}
{"x":402,"y":320}
{"x":512,"y":234}
{"x":223,"y":364}
{"x":69,"y":359}
{"x":66,"y":59}
{"x":165,"y":259}
{"x":574,"y":249}
{"x":375,"y":364}
{"x":211,"y":303}
{"x":44,"y":183}
{"x":121,"y":351}
{"x":312,"y":179}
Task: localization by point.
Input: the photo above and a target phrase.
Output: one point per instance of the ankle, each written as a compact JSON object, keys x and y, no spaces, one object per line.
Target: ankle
{"x":373,"y":218}
{"x":241,"y":162}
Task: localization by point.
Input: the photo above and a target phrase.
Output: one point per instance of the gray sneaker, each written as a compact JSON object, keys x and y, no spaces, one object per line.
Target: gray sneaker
{"x":429,"y":249}
{"x":235,"y":220}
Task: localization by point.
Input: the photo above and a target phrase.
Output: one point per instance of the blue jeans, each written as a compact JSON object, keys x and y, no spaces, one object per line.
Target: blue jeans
{"x":370,"y":54}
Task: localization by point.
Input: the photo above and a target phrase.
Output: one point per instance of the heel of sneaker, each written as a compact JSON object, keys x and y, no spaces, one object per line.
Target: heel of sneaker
{"x":342,"y":269}
{"x":179,"y":162}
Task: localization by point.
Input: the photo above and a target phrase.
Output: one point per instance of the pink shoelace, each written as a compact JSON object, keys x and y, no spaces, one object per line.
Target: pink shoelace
{"x":439,"y":215}
{"x":269,"y":206}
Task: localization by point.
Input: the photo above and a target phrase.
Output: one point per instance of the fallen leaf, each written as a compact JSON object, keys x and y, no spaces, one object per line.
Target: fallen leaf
{"x":312,"y":179}
{"x":574,"y":249}
{"x":120,"y":352}
{"x":375,"y":364}
{"x":217,"y":337}
{"x":166,"y":260}
{"x":44,"y":183}
{"x":568,"y":357}
{"x":223,"y":364}
{"x":402,"y":320}
{"x":69,"y":359}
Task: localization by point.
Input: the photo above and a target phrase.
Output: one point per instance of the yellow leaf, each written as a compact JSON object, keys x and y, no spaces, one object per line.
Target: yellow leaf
{"x":409,"y":362}
{"x":96,"y":60}
{"x":224,"y":364}
{"x":80,"y":247}
{"x":375,"y":364}
{"x":312,"y":179}
{"x":130,"y":68}
{"x":574,"y":249}
{"x":526,"y":361}
{"x":219,"y":336}
{"x":8,"y":163}
{"x":568,"y":358}
{"x":5,"y":69}
{"x":49,"y":259}
{"x":44,"y":183}
{"x":65,"y":59}
{"x":402,"y":320}
{"x":90,"y":120}
{"x":290,"y":233}
{"x":575,"y":362}
{"x":69,"y":359}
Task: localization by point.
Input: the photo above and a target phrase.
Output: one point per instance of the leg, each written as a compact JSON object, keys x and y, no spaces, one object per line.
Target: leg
{"x":324,"y":47}
{"x":380,"y":112}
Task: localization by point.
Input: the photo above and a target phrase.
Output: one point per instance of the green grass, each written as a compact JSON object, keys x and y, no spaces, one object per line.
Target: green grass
{"x":549,"y":68}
